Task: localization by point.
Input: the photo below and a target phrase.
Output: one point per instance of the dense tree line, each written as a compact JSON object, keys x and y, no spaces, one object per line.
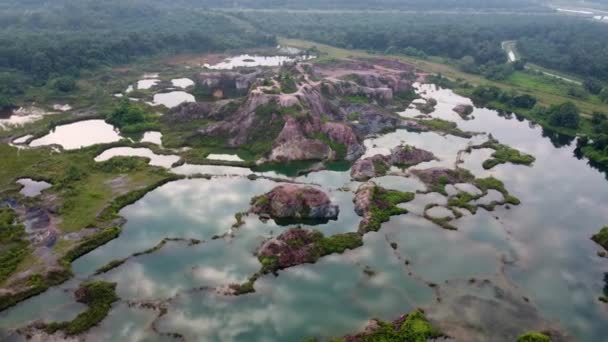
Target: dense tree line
{"x":49,"y":40}
{"x":564,"y":43}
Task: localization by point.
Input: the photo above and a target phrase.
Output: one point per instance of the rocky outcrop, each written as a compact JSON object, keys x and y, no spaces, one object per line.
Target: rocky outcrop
{"x":293,"y":145}
{"x":344,"y":134}
{"x":372,"y":119}
{"x":191,"y":111}
{"x":464,"y":110}
{"x":309,"y":123}
{"x":406,"y":156}
{"x":347,"y":88}
{"x":363,"y":198}
{"x":293,"y":247}
{"x":370,"y":167}
{"x":294,"y":202}
{"x":226,"y":83}
{"x":379,"y":165}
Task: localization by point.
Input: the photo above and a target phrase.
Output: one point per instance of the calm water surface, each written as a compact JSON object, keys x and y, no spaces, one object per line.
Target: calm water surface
{"x":539,"y":250}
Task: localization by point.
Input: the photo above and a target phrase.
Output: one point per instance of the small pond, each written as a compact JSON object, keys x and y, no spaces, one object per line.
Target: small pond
{"x":79,"y":134}
{"x":172,"y":99}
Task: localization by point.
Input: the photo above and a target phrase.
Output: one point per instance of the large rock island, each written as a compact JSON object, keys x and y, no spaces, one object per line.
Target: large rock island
{"x":289,"y":202}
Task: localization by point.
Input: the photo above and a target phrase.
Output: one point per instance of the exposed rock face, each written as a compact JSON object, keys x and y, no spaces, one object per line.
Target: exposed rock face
{"x":347,"y":88}
{"x":463,"y":110}
{"x":309,"y":122}
{"x":227,"y":83}
{"x":345,"y":135}
{"x":292,"y":145}
{"x":372,"y":119}
{"x":378,"y":165}
{"x":189,"y":111}
{"x":363,"y":199}
{"x":406,"y":156}
{"x":365,"y":169}
{"x":285,"y":252}
{"x":291,"y":201}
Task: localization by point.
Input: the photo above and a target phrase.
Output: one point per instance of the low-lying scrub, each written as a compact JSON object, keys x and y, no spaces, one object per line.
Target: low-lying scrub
{"x":14,"y":247}
{"x":503,"y":154}
{"x":384,"y":205}
{"x":98,"y":296}
{"x":414,"y":327}
{"x":601,"y":238}
{"x":534,"y":337}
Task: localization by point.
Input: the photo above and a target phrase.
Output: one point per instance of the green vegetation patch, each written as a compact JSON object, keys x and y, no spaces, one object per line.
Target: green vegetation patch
{"x":14,"y":247}
{"x":503,"y":154}
{"x":131,"y":117}
{"x":337,"y":147}
{"x":533,"y":337}
{"x":462,"y":200}
{"x":414,"y":328}
{"x":356,"y":99}
{"x":34,"y":285}
{"x":383,"y":206}
{"x":601,"y":238}
{"x":288,"y":83}
{"x":98,"y":296}
{"x":339,"y":243}
{"x":445,"y":127}
{"x":90,"y":243}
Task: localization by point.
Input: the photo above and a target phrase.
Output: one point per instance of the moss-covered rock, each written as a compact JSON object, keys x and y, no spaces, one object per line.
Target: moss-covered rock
{"x":376,"y":205}
{"x":601,"y":238}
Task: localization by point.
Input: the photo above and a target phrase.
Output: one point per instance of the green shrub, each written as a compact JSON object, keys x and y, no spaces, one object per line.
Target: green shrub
{"x":601,"y":237}
{"x":98,"y":296}
{"x":533,"y":337}
{"x":339,"y":243}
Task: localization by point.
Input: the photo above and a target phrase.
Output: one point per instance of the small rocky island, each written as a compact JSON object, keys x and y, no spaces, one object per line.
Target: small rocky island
{"x":294,"y":202}
{"x":379,"y":165}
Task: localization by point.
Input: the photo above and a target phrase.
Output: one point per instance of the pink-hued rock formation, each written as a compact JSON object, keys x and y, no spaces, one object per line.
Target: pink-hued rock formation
{"x":286,"y":253}
{"x":378,"y":165}
{"x":291,"y":201}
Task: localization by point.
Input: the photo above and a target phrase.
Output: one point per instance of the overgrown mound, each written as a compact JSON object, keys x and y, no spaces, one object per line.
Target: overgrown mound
{"x":413,"y":327}
{"x":298,"y":246}
{"x":294,"y":247}
{"x":601,"y":238}
{"x":376,"y":205}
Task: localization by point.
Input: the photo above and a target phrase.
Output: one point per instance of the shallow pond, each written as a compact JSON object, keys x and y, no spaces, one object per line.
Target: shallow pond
{"x":32,"y":188}
{"x":182,"y":82}
{"x":153,"y":138}
{"x":79,"y":134}
{"x":147,"y":84}
{"x":254,"y":60}
{"x":538,"y":250}
{"x":155,"y":159}
{"x":172,"y":99}
{"x":224,"y":157}
{"x":22,"y":116}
